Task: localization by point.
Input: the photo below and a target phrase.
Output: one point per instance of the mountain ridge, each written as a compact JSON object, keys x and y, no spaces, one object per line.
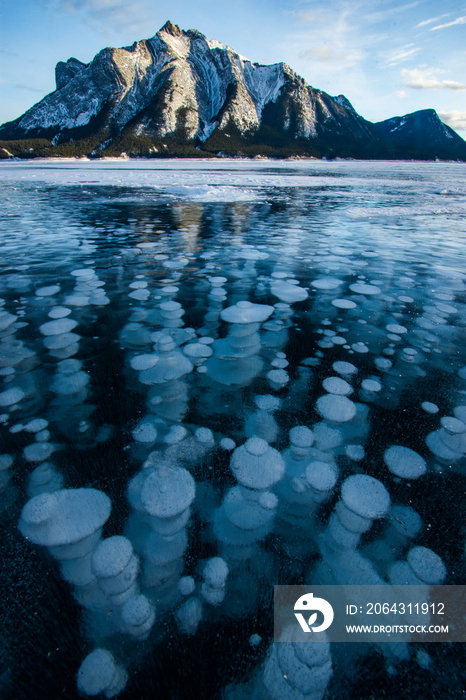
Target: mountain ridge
{"x":180,"y":94}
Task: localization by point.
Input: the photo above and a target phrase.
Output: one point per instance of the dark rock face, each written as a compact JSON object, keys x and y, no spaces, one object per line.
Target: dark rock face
{"x":421,"y":134}
{"x":64,"y":72}
{"x":180,"y":94}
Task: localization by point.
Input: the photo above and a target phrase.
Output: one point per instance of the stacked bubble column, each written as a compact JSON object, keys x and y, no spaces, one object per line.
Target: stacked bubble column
{"x":161,"y":497}
{"x":236,"y":360}
{"x":296,"y":669}
{"x":363,"y":500}
{"x":168,"y":396}
{"x":307,"y":484}
{"x":246,"y":515}
{"x":116,"y":569}
{"x":69,"y":523}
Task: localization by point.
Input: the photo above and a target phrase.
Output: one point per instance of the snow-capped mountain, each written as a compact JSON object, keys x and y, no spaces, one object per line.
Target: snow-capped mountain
{"x":181,"y":94}
{"x":420,"y":134}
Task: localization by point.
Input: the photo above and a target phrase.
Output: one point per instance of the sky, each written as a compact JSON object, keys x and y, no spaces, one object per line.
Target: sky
{"x":388,"y":57}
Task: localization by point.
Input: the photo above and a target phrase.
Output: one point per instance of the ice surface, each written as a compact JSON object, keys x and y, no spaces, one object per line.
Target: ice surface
{"x":201,"y":248}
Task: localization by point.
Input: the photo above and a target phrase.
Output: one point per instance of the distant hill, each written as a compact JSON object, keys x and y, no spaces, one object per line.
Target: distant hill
{"x":179,"y":94}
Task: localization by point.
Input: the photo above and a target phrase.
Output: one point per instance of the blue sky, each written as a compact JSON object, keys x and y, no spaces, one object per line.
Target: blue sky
{"x":388,"y":57}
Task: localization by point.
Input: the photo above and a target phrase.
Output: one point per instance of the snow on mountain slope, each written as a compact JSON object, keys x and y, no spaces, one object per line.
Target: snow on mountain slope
{"x":182,"y":88}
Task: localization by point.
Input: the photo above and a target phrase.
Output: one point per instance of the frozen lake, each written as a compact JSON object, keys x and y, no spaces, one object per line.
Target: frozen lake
{"x":216,"y":348}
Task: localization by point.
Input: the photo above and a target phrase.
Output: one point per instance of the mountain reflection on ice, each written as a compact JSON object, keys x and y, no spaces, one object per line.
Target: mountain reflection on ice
{"x":216,"y":378}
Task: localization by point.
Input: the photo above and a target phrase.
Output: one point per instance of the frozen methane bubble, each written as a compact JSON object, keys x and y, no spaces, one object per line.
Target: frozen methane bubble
{"x":197,"y":352}
{"x":189,"y":615}
{"x":69,"y":384}
{"x":256,"y":465}
{"x":344,"y":303}
{"x":227,"y":444}
{"x":404,"y":462}
{"x":429,"y":407}
{"x":145,"y":432}
{"x":267,"y":402}
{"x":460,"y":413}
{"x":405,"y":521}
{"x":346,"y":369}
{"x":355,"y":452}
{"x":171,"y":364}
{"x":167,"y":491}
{"x":246,"y":312}
{"x":372,"y":386}
{"x":326,"y":283}
{"x":336,"y":385}
{"x":186,"y":585}
{"x":321,"y":477}
{"x":363,"y":499}
{"x":422,"y":567}
{"x":426,"y":565}
{"x":6,"y":320}
{"x":47,"y":291}
{"x":335,"y":409}
{"x":64,"y":517}
{"x":205,"y":436}
{"x":301,"y":441}
{"x":453,"y":426}
{"x":296,"y":669}
{"x":215,"y":572}
{"x":38,"y":451}
{"x":175,"y":434}
{"x":36,"y":425}
{"x":396,"y":328}
{"x":58,"y":327}
{"x":360,"y":347}
{"x":99,"y":673}
{"x":278,"y":378}
{"x":365,"y":496}
{"x":215,"y":575}
{"x":11,"y":397}
{"x":142,"y":362}
{"x":288,"y":293}
{"x":59,"y":312}
{"x":111,"y":557}
{"x":137,"y":616}
{"x":69,"y":366}
{"x":44,"y":479}
{"x":365,"y":289}
{"x":383,"y":363}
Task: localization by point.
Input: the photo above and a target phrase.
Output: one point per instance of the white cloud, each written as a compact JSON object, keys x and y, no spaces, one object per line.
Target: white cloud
{"x":427,"y":79}
{"x":432,"y":20}
{"x":459,"y":20}
{"x":402,"y":54}
{"x":377,"y":16}
{"x":326,"y":53}
{"x":455,"y":119}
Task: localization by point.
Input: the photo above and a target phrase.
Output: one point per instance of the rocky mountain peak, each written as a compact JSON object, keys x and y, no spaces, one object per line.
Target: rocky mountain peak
{"x":181,"y":94}
{"x":170,"y":28}
{"x":65,"y":71}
